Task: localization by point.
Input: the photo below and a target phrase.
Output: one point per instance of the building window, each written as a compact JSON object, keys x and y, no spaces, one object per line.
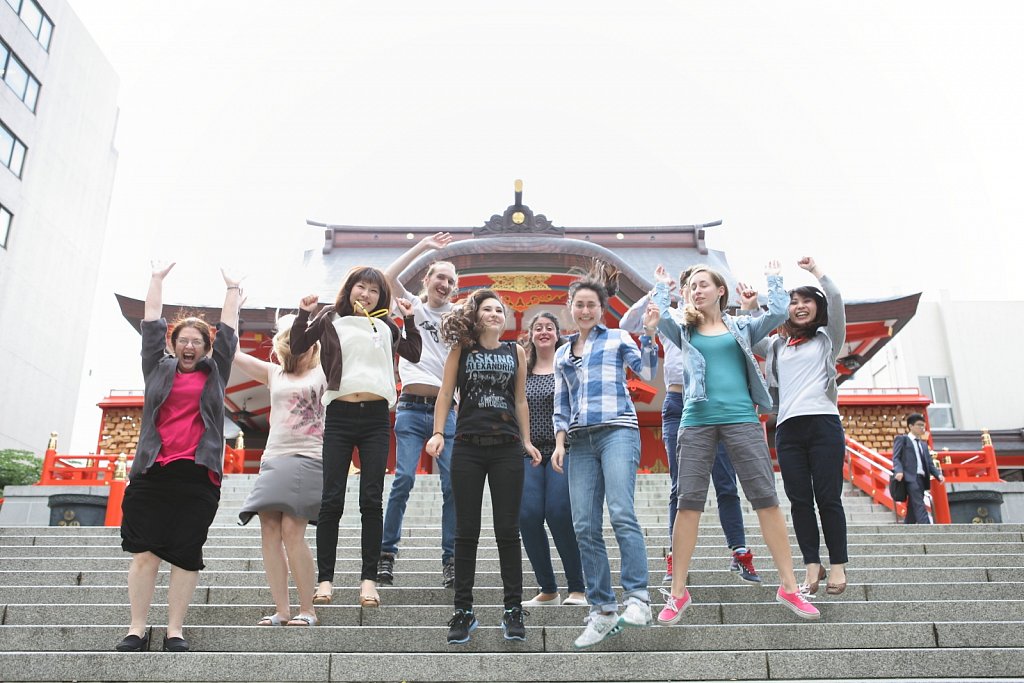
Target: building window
{"x":18,"y":78}
{"x":12,"y":151}
{"x":33,"y":16}
{"x":940,"y":412}
{"x":5,"y":226}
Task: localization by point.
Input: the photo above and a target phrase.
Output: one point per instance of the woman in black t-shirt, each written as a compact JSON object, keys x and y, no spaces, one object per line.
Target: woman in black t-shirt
{"x":491,"y":435}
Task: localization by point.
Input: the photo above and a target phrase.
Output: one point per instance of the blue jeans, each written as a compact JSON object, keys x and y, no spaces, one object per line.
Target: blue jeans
{"x":601,"y":465}
{"x":546,"y":497}
{"x":730,"y":514}
{"x":414,"y":423}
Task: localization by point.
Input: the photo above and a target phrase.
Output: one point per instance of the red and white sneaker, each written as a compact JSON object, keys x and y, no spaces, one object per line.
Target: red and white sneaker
{"x":674,"y":607}
{"x":798,"y":603}
{"x":668,"y":569}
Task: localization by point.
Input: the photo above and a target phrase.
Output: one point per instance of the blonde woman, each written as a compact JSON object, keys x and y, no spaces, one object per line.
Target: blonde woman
{"x":286,"y":495}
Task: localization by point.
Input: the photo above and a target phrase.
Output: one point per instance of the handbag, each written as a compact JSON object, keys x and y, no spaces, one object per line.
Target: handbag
{"x":897,"y":489}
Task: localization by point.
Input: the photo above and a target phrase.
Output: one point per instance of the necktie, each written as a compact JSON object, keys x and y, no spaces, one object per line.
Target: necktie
{"x":921,"y":456}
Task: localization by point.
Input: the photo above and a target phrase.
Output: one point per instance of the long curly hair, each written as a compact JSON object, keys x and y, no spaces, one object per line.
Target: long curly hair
{"x":461,"y":326}
{"x":526,"y":339}
{"x":693,"y":316}
{"x":601,"y":278}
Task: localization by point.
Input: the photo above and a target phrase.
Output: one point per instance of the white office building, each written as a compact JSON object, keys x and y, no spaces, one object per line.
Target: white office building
{"x":58,"y":116}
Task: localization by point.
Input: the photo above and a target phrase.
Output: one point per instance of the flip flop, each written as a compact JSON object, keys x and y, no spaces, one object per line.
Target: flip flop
{"x":272,"y":620}
{"x":303,"y":620}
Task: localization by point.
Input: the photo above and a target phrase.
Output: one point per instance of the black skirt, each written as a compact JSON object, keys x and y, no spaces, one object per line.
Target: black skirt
{"x":168,"y":512}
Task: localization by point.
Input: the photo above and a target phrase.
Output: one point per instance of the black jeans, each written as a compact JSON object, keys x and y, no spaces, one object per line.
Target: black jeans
{"x":353,"y":425}
{"x":811,"y":451}
{"x":502,"y":467}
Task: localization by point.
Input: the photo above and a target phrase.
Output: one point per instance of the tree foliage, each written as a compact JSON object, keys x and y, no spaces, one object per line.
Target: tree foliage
{"x":19,"y":468}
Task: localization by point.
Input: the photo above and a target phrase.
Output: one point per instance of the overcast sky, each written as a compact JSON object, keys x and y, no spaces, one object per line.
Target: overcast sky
{"x":883,"y":138}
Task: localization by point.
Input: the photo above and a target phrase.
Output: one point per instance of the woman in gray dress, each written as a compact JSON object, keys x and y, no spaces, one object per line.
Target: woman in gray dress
{"x":286,"y":495}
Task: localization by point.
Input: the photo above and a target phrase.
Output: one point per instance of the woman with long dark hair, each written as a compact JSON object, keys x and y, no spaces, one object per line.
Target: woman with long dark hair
{"x":546,"y":490}
{"x":800,"y":364}
{"x":358,"y":342}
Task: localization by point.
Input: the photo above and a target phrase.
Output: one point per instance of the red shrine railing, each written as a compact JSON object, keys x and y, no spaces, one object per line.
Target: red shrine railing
{"x":870,"y":471}
{"x":112,"y":471}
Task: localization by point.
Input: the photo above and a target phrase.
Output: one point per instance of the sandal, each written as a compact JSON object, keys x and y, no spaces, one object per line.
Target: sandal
{"x":272,"y":620}
{"x":369,"y":601}
{"x":303,"y":620}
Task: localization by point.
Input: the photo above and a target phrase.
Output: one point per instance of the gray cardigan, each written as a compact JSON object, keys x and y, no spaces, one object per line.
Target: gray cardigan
{"x":835,"y":336}
{"x":158,"y":369}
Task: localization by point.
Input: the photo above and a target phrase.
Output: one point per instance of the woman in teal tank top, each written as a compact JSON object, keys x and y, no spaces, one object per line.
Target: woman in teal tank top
{"x":724,"y":387}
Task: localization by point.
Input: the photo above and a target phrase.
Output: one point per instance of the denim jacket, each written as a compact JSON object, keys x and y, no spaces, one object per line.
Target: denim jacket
{"x":747,"y":330}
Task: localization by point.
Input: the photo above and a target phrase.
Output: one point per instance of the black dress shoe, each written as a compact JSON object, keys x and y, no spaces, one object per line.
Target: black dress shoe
{"x":133,"y":643}
{"x":175,"y":645}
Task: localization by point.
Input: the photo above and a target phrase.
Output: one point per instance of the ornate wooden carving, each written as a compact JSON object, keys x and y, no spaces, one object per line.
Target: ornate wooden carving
{"x":506,"y":224}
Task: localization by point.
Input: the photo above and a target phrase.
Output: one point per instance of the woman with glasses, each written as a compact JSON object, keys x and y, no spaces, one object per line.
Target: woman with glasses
{"x":174,"y":484}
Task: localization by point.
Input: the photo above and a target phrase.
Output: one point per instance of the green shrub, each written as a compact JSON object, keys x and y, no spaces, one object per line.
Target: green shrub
{"x":19,"y":468}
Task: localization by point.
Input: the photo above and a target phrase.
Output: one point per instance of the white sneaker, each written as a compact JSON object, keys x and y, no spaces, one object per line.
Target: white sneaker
{"x":599,"y":627}
{"x":539,"y":600}
{"x":637,"y":613}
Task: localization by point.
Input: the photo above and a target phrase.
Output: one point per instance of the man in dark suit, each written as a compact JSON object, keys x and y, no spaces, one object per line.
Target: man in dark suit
{"x":912,"y":463}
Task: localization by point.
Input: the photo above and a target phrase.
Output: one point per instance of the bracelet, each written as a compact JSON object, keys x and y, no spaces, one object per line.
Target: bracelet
{"x":436,"y":433}
{"x":234,"y":287}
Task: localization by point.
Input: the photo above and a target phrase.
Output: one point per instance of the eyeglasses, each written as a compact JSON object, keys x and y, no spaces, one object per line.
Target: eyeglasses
{"x":194,"y":343}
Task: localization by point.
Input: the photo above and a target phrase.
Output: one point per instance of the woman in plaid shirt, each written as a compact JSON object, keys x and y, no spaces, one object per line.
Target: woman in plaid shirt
{"x":597,"y":435}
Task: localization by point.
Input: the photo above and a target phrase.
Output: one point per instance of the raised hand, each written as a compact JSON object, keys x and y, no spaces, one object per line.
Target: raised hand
{"x":808,"y":264}
{"x":747,"y":295}
{"x":309,"y":303}
{"x":439,"y":240}
{"x":231,"y":278}
{"x":405,"y":306}
{"x":773,"y":267}
{"x":651,"y":317}
{"x":160,"y":268}
{"x":661,"y":275}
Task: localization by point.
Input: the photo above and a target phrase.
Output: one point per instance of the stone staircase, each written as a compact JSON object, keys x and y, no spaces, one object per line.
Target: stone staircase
{"x":924,"y":602}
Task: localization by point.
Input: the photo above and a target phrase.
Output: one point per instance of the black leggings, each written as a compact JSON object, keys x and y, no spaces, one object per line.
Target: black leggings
{"x":502,"y":467}
{"x":811,"y":451}
{"x":353,"y":425}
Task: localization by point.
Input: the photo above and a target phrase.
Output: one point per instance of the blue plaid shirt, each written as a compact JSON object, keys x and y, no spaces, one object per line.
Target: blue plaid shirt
{"x":595,"y":393}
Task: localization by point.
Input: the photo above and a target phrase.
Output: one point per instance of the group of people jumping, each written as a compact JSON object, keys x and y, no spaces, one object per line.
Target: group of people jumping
{"x":546,"y":424}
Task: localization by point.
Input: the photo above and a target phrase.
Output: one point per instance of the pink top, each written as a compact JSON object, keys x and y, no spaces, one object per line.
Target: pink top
{"x":180,"y":424}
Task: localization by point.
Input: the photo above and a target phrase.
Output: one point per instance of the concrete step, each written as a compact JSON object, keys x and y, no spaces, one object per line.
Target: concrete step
{"x":488,"y":638}
{"x":942,"y":663}
{"x":235,"y":606}
{"x":942,"y":602}
{"x":430,"y":538}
